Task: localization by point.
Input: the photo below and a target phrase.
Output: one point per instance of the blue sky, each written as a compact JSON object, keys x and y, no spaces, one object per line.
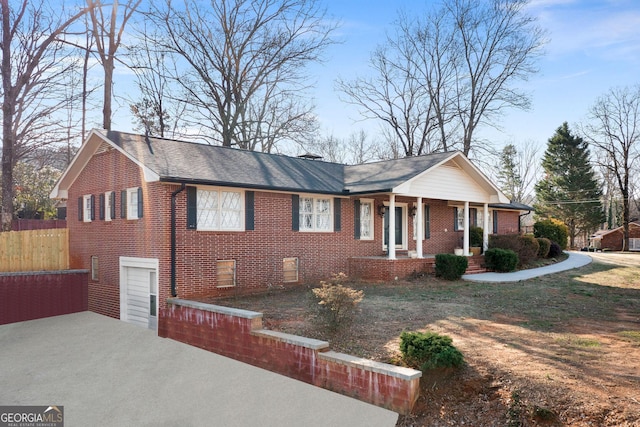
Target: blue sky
{"x":594,"y":46}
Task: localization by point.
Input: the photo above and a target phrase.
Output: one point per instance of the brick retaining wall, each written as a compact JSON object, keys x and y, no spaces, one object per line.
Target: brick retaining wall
{"x":238,"y":334}
{"x":34,"y":295}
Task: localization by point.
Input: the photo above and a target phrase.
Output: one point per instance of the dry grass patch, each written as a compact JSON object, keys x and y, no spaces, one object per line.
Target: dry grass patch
{"x":556,"y":350}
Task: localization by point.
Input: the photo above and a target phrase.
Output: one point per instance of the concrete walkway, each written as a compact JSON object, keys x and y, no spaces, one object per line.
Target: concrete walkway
{"x":575,"y":260}
{"x":106,"y":372}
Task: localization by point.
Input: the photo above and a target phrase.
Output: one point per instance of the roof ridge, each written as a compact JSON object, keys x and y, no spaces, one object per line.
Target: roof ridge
{"x":212,"y":146}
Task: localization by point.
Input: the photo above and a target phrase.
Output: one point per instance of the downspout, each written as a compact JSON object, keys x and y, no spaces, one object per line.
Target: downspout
{"x":173,"y":238}
{"x":520,"y":220}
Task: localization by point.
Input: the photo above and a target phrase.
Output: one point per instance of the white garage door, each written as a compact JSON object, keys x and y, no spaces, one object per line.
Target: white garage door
{"x":138,"y":293}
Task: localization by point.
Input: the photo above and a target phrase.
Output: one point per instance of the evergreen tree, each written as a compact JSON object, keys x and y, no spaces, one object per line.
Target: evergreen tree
{"x":509,"y":177}
{"x":569,"y":190}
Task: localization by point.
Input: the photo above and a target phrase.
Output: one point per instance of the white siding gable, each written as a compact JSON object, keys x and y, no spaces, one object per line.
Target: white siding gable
{"x":449,"y":181}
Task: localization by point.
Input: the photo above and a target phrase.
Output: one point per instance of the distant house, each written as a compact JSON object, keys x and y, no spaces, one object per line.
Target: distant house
{"x":153,"y":218}
{"x":613,"y":239}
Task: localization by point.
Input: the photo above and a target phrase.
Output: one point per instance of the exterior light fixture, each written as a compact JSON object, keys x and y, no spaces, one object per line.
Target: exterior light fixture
{"x":382,"y":209}
{"x":413,"y":210}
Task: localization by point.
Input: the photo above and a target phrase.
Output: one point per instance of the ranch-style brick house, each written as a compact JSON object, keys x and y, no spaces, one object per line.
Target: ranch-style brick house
{"x":153,"y":218}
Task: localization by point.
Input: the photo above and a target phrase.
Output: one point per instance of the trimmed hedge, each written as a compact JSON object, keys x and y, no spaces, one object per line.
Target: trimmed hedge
{"x":502,"y":260}
{"x":429,"y":350}
{"x":450,"y":266}
{"x":552,"y":230}
{"x":545,"y":246}
{"x":526,"y":247}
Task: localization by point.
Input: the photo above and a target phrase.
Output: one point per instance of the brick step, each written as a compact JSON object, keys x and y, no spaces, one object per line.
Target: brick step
{"x":476,"y":265}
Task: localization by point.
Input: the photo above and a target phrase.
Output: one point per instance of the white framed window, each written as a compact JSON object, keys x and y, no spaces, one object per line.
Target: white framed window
{"x":459,"y":217}
{"x":226,"y":273}
{"x":220,"y":210}
{"x":94,"y":268}
{"x":108,"y":205}
{"x":366,"y":219}
{"x":87,"y":207}
{"x":132,"y":203}
{"x":316,"y":214}
{"x":290,"y":269}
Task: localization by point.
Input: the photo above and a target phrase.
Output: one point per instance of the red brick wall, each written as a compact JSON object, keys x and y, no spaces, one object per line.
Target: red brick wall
{"x":27,"y":296}
{"x":239,"y":335}
{"x":259,"y":254}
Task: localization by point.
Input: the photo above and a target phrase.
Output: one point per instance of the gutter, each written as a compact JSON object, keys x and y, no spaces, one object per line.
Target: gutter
{"x":173,"y":238}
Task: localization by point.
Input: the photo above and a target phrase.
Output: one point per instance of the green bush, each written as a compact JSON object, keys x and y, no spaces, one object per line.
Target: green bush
{"x":501,"y":260}
{"x":526,"y":247}
{"x":554,"y":250}
{"x":475,"y":236}
{"x":553,"y":230}
{"x":336,"y":303}
{"x":429,"y":350}
{"x":545,"y":245}
{"x":451,"y":267}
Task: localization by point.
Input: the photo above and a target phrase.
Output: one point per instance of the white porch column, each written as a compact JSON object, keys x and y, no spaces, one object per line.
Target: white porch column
{"x":485,"y":228}
{"x":465,"y":241}
{"x":419,"y":230}
{"x":391,"y":243}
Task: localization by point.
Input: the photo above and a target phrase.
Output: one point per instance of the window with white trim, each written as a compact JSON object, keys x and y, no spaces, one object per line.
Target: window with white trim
{"x":132,"y":203}
{"x":366,"y":219}
{"x":459,"y":225}
{"x":87,"y":208}
{"x":315,"y":214}
{"x":108,"y":200}
{"x":220,"y":210}
{"x":94,"y":268}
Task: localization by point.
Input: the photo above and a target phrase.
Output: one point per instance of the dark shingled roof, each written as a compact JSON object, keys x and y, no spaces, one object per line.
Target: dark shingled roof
{"x":182,"y":161}
{"x":208,"y":164}
{"x":385,"y":175}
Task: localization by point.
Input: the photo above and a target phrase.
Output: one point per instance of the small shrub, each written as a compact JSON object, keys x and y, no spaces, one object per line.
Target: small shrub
{"x":429,"y":350}
{"x":501,"y":260}
{"x":554,"y":250}
{"x":553,"y":230}
{"x":475,"y":236}
{"x":337,"y":303}
{"x":451,"y":267}
{"x":545,"y":246}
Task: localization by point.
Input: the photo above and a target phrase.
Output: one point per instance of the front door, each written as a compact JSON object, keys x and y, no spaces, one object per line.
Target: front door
{"x":399,"y":228}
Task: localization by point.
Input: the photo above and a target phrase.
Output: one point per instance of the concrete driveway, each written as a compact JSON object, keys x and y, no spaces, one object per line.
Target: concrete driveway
{"x":109,"y":373}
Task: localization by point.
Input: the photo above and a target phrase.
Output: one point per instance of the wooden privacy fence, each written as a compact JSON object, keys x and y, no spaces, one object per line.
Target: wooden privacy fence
{"x":34,"y":250}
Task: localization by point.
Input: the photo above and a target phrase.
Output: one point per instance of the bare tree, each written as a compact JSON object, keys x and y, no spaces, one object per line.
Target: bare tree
{"x":160,"y":110}
{"x":34,"y":60}
{"x":449,"y":72}
{"x":107,"y":34}
{"x":397,"y":94}
{"x":244,"y":65}
{"x":614,"y":132}
{"x":499,"y":46}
